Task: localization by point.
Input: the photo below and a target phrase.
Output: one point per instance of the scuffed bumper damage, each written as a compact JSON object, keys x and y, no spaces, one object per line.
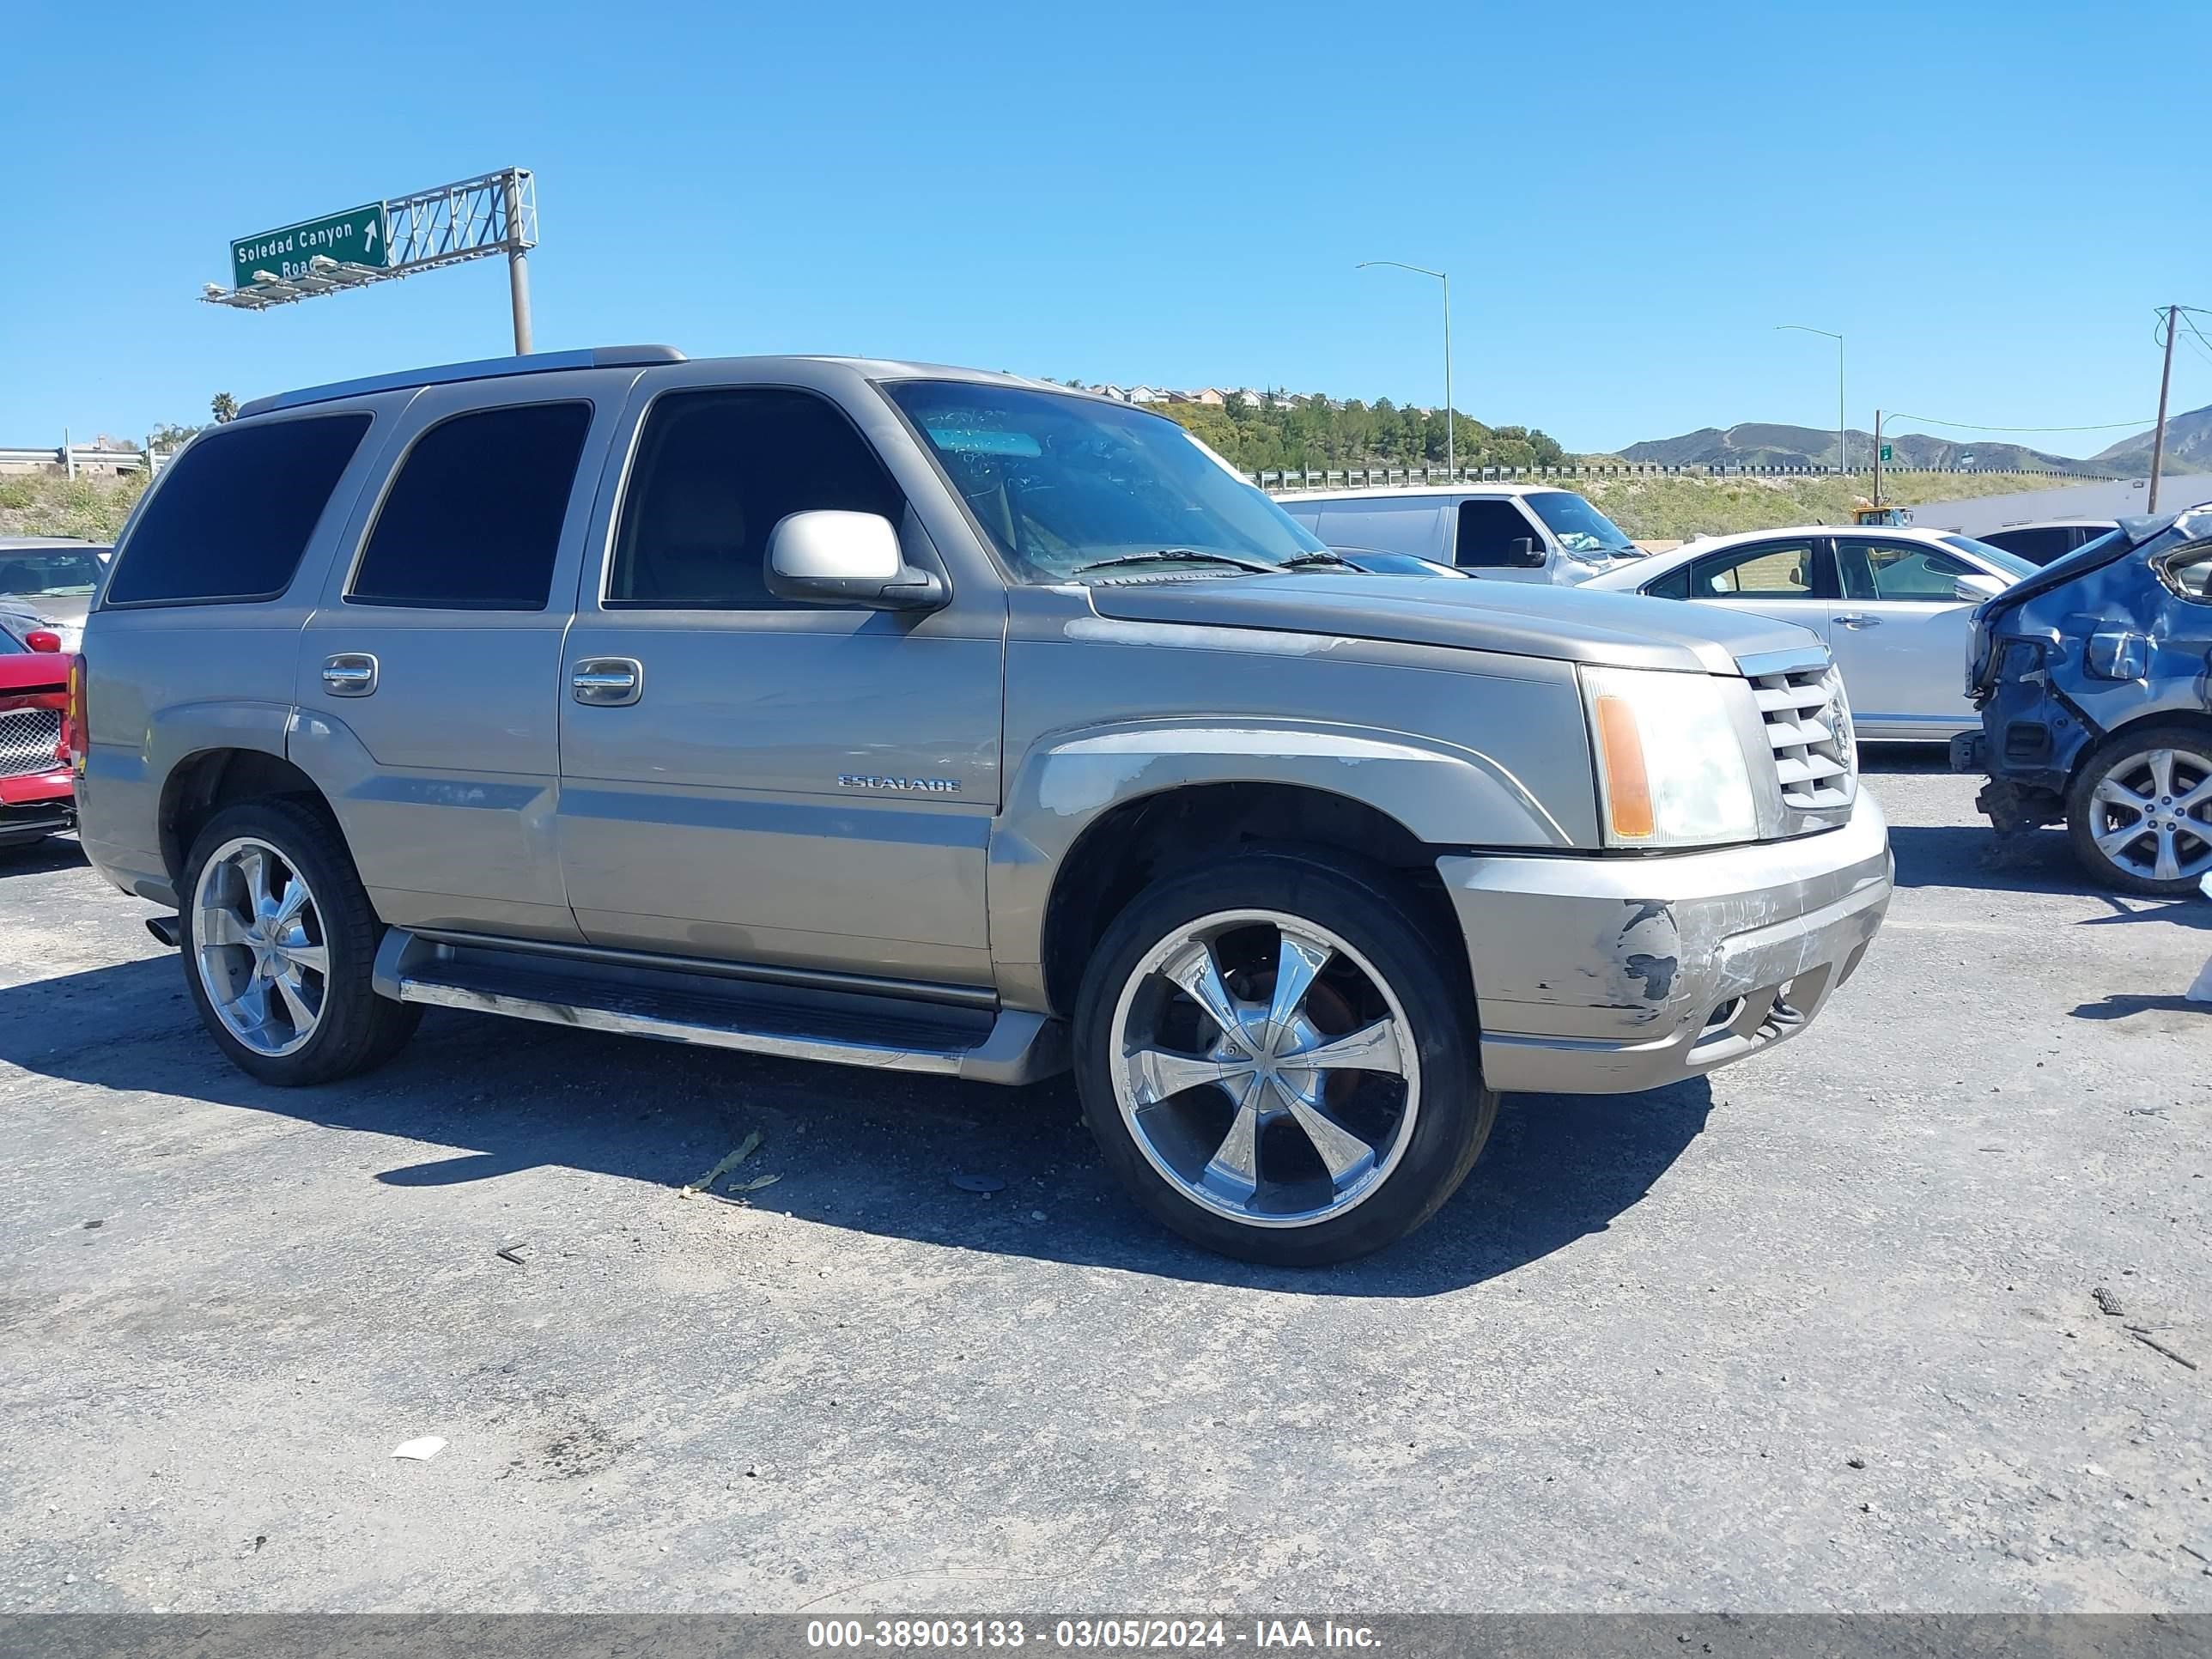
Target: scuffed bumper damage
{"x":1606,"y":975}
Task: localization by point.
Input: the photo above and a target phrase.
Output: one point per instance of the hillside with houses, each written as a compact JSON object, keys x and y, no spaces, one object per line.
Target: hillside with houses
{"x":1260,"y":429}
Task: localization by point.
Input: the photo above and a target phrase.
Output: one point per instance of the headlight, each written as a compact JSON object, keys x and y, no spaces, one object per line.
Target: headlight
{"x":1670,"y":769}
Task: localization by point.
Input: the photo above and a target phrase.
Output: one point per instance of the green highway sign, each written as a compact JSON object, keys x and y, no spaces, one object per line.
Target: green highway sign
{"x":1884,"y":454}
{"x":355,"y":237}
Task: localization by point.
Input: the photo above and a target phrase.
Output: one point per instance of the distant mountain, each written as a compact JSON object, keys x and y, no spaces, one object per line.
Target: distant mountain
{"x":1758,"y":443}
{"x":2188,"y":447}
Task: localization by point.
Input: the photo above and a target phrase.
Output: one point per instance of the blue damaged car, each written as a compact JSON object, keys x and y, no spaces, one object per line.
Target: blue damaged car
{"x":2094,"y":677}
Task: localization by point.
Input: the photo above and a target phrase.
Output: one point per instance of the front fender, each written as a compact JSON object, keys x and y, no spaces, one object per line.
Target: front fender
{"x":1442,"y":794}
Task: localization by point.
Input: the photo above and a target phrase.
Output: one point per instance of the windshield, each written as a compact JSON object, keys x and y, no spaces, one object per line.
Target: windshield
{"x":1580,"y":527}
{"x":55,"y":573}
{"x":1060,"y":483}
{"x":2012,"y":564}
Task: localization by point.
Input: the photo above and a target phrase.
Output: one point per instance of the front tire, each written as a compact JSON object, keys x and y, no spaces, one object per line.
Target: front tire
{"x":2140,"y":815}
{"x":279,"y":944}
{"x":1279,"y":1061}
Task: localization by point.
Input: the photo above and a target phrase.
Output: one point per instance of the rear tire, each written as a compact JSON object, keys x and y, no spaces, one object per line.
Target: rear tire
{"x":2156,"y":780}
{"x":1279,"y":1061}
{"x":279,"y":943}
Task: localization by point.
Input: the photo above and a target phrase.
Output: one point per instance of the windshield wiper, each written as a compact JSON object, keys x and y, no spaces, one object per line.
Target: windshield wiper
{"x":1176,"y":555}
{"x":1302,"y":561}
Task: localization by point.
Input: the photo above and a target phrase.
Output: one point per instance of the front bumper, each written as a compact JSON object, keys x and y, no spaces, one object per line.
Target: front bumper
{"x":1609,"y":976}
{"x":36,"y":805}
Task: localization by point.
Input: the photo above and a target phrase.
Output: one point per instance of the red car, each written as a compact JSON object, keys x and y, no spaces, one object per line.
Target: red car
{"x":38,"y":793}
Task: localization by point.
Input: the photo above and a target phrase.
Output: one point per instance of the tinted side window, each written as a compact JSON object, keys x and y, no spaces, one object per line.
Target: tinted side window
{"x":1901,"y":570}
{"x":715,"y":472}
{"x":234,"y":512}
{"x":1765,"y":571}
{"x":1675,"y":585}
{"x":473,"y":520}
{"x":1487,"y":530}
{"x":2037,"y":546}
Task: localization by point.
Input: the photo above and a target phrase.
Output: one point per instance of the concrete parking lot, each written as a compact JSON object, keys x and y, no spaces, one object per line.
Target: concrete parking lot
{"x":1822,"y":1333}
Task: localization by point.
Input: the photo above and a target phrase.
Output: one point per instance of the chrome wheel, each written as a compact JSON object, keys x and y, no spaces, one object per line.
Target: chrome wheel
{"x":258,"y":947}
{"x":1265,"y":1068}
{"x":2153,"y":814}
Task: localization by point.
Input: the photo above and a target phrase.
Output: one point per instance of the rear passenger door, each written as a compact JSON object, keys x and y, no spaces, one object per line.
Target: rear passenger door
{"x":1790,"y":579}
{"x":428,"y":678}
{"x":791,"y":785}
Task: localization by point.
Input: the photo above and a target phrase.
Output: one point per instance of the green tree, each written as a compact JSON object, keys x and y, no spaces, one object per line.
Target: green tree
{"x":223,"y":407}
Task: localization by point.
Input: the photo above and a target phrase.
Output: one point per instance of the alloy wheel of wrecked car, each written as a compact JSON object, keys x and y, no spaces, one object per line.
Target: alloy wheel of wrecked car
{"x":1286,"y":1081}
{"x":2146,"y":814}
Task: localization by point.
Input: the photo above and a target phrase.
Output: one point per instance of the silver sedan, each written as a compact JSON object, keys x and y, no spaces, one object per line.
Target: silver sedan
{"x":1893,"y":605}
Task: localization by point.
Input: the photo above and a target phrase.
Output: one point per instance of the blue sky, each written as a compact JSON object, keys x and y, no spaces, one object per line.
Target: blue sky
{"x":1988,"y":199}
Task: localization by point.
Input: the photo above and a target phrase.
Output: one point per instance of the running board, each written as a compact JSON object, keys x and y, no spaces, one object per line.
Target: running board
{"x":799,"y":1022}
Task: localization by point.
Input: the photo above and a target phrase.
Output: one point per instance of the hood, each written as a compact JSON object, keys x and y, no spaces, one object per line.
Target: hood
{"x":63,"y":613}
{"x":26,"y":672}
{"x":1522,"y":619}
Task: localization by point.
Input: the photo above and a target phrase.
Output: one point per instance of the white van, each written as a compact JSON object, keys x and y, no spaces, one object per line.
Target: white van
{"x":1510,"y":532}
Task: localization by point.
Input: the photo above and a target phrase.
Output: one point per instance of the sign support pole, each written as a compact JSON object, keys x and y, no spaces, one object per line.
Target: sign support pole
{"x":518,"y":268}
{"x":477,"y":218}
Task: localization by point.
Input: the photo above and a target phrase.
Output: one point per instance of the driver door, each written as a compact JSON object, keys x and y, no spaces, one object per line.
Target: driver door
{"x":1898,"y":632}
{"x":765,"y":781}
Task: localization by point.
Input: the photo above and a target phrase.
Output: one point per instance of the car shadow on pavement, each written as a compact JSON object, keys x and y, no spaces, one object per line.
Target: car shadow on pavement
{"x":1877,"y":757}
{"x":868,"y":1150}
{"x":2120,"y":1005}
{"x":41,"y":857}
{"x":1972,"y":856}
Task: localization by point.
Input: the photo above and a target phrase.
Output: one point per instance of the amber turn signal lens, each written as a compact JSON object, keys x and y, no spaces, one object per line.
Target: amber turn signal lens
{"x":1627,"y":788}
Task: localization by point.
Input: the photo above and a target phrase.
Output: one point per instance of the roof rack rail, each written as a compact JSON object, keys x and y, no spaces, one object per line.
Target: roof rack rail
{"x":542,"y":362}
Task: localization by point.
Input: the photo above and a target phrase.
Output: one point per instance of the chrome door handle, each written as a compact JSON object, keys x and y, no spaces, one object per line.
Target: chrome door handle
{"x":349,"y":674}
{"x":1858,"y":619}
{"x":607,"y":682}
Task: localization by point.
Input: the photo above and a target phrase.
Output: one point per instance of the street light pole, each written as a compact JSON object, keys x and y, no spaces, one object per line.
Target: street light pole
{"x":1451,"y":413}
{"x":1843,"y":428}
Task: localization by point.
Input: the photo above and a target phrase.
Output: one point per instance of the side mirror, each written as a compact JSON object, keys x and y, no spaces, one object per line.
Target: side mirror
{"x":42,"y":639}
{"x":1975,"y":587}
{"x":1523,"y":550}
{"x":826,"y":557}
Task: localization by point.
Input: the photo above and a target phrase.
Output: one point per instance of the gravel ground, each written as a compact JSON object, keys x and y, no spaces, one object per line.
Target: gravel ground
{"x":1822,"y":1333}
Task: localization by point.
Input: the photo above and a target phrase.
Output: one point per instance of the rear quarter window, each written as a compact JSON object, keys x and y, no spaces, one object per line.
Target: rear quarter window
{"x":233,"y":514}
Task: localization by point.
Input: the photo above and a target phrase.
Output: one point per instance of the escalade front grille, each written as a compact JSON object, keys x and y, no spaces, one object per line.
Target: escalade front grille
{"x":1808,"y":727}
{"x":29,"y":740}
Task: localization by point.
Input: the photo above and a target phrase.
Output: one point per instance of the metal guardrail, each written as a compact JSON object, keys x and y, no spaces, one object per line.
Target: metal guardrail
{"x":1382,"y":477}
{"x":73,"y":458}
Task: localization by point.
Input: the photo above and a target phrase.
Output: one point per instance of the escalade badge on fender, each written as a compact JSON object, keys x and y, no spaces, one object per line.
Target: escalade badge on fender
{"x":904,"y":785}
